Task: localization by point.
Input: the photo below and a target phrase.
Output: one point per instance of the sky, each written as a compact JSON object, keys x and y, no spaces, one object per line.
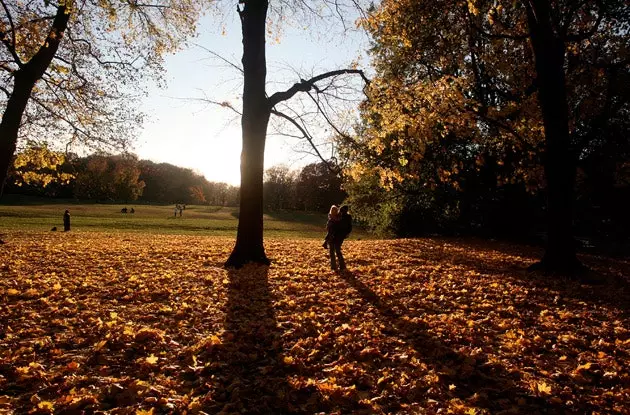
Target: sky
{"x":182,"y":130}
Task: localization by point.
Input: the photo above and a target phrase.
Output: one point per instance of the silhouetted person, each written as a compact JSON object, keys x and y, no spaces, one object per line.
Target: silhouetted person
{"x":66,"y":221}
{"x":340,"y":230}
{"x":132,"y":210}
{"x":123,"y":210}
{"x":333,"y":216}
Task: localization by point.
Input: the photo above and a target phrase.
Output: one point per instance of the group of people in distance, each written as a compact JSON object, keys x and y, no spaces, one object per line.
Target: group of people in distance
{"x":338,"y":228}
{"x":179,"y":208}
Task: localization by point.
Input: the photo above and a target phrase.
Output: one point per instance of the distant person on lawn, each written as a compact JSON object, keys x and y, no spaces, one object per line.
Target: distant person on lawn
{"x":333,"y":217}
{"x":340,"y":230}
{"x":66,"y":221}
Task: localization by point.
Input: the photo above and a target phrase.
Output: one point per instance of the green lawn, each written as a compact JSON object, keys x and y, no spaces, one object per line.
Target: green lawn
{"x":39,"y":215}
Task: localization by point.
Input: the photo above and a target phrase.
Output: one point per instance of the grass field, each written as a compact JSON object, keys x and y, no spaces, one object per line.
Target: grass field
{"x":33,"y":215}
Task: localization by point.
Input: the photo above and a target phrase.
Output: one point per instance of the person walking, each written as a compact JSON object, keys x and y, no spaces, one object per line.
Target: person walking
{"x":340,"y":231}
{"x":66,"y":221}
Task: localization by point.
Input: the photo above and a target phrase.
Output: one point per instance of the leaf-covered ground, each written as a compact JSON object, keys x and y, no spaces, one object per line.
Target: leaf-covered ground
{"x":135,"y":324}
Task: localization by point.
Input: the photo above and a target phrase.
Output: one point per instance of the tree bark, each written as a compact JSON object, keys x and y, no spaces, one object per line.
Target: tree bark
{"x":256,"y":111}
{"x":559,"y":159}
{"x":10,"y":125}
{"x":24,"y":80}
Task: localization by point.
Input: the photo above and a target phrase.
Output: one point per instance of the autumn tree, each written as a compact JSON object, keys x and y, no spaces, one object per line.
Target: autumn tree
{"x":39,"y":166}
{"x":526,"y":83}
{"x":71,"y":69}
{"x":197,"y":195}
{"x":279,"y":187}
{"x":317,"y":187}
{"x":258,"y":106}
{"x":103,"y":177}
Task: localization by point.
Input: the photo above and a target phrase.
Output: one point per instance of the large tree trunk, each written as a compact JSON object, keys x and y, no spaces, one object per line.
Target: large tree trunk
{"x":559,"y":158}
{"x":10,"y":125}
{"x":256,"y":112}
{"x":24,"y":81}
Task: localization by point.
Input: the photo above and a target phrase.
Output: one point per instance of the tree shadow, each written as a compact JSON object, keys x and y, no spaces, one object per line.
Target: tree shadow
{"x":473,"y":379}
{"x":510,"y":261}
{"x":247,"y":373}
{"x":497,"y":258}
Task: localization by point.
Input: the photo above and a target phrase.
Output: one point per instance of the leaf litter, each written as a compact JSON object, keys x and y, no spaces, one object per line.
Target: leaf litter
{"x":153,"y":324}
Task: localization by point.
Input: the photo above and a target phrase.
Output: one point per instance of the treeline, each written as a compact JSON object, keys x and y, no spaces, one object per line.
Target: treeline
{"x":487,"y":200}
{"x":39,"y":171}
{"x":314,"y":188}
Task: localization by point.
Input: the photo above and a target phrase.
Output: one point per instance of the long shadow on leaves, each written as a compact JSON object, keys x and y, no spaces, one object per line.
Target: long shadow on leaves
{"x":476,"y":381}
{"x":247,"y":374}
{"x":499,"y":258}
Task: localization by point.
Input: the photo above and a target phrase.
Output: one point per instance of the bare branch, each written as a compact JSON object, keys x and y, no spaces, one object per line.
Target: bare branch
{"x":63,"y":118}
{"x":308,"y":137}
{"x":329,"y":121}
{"x":216,"y":55}
{"x":307,"y":85}
{"x":10,"y":44}
{"x":224,"y":104}
{"x":98,"y":59}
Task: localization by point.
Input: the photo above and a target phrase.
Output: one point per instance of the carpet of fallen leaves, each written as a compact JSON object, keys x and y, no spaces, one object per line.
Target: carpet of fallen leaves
{"x":150,"y":324}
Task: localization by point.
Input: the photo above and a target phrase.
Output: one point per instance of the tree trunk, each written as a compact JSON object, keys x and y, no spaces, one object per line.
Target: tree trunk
{"x":24,"y":81}
{"x":10,"y":125}
{"x":559,"y":159}
{"x":256,"y":111}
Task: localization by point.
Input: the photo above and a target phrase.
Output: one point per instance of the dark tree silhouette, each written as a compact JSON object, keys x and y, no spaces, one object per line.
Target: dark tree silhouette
{"x":257,"y":108}
{"x":24,"y":81}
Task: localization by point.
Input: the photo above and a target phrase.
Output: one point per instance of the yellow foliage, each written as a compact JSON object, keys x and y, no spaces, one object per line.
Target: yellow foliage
{"x":411,"y":326}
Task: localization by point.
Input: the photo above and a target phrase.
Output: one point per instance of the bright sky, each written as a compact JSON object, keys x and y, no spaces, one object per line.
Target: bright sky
{"x":207,"y":138}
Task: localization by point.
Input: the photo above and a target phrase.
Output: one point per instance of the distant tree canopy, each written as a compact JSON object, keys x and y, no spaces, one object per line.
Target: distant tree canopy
{"x":39,"y":171}
{"x":279,"y":188}
{"x":314,"y":188}
{"x":115,"y":178}
{"x":101,"y":177}
{"x":172,"y":184}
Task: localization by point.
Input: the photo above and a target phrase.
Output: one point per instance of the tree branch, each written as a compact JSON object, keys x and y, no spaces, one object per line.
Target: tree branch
{"x":328,"y":120}
{"x":10,"y":44}
{"x":98,"y":59}
{"x":65,"y":119}
{"x":216,"y":55}
{"x":307,"y":85}
{"x":588,"y":33}
{"x":45,"y":54}
{"x":308,"y":137}
{"x":224,"y":104}
{"x":498,"y":35}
